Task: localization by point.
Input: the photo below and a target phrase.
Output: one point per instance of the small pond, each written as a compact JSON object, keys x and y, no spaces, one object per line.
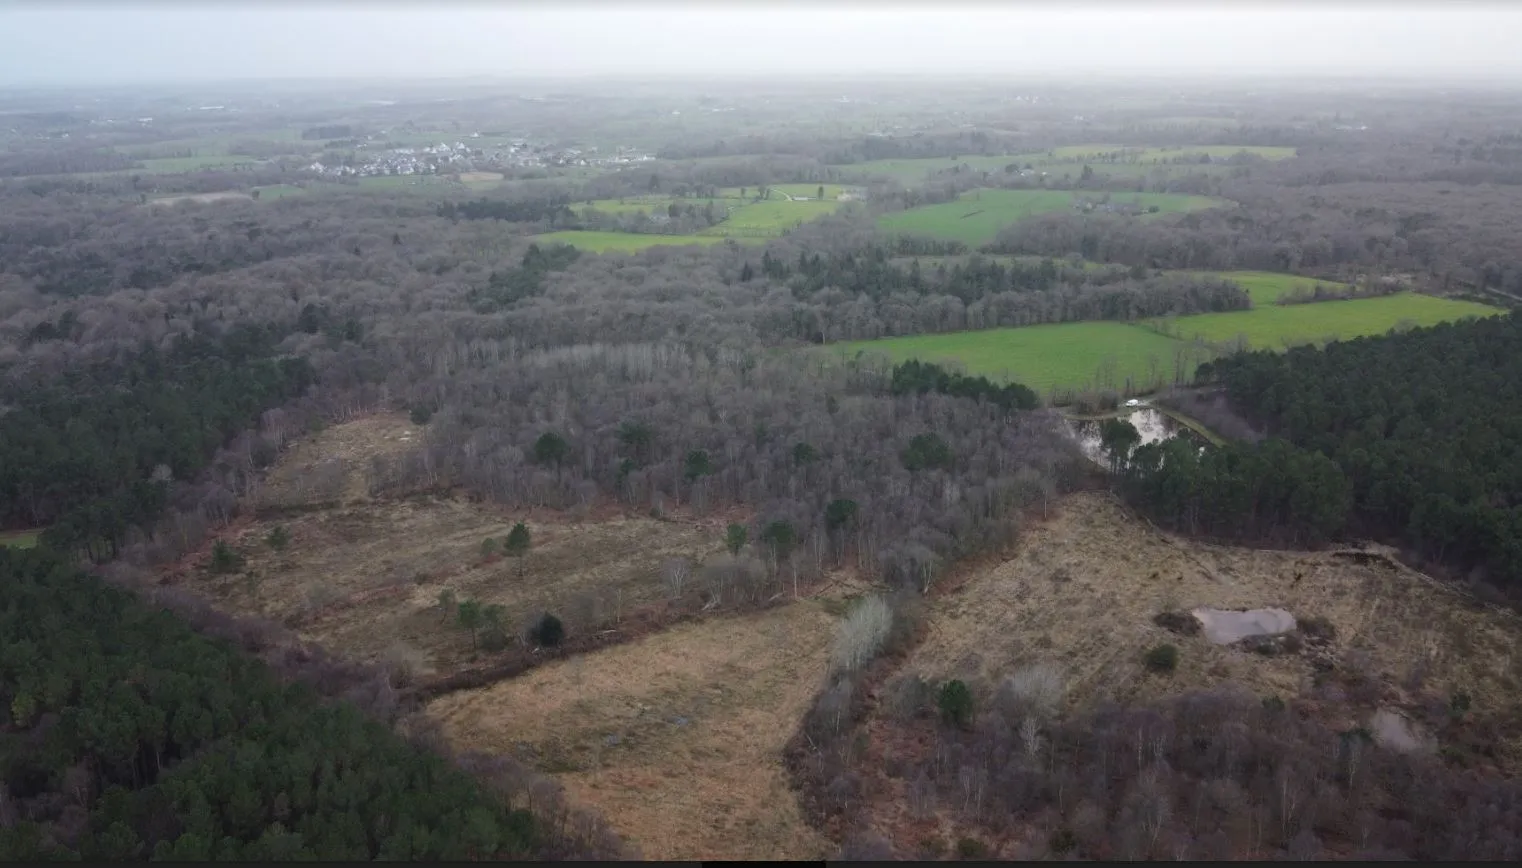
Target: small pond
{"x":1152,"y":424}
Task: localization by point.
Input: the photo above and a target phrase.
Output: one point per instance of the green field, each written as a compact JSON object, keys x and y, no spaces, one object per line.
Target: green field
{"x":1115,"y":354}
{"x":1275,"y":326}
{"x":977,"y":216}
{"x":19,"y":539}
{"x":1044,"y":357}
{"x":627,"y":242}
{"x":768,"y":218}
{"x":1267,"y":287}
{"x":1159,"y":155}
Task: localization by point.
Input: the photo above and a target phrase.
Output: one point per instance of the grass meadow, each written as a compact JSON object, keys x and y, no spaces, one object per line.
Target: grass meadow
{"x":977,"y":216}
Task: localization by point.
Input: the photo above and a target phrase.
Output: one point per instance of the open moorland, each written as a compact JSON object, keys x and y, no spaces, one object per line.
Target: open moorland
{"x":363,"y":576}
{"x":676,"y":738}
{"x":976,"y":217}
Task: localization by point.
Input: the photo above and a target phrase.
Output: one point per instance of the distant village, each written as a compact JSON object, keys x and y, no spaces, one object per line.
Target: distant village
{"x":449,"y":158}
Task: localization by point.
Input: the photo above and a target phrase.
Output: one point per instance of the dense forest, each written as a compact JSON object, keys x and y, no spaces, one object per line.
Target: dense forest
{"x":128,"y":737}
{"x":1423,"y":425}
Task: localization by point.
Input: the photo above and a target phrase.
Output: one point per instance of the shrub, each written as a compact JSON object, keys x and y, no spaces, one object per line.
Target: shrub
{"x":1317,"y":628}
{"x":224,"y":559}
{"x":971,"y":848}
{"x":1062,"y":842}
{"x":860,"y":636}
{"x":1163,"y":658}
{"x":278,"y":538}
{"x":955,"y":702}
{"x":1182,"y":623}
{"x":548,"y":632}
{"x":420,"y":415}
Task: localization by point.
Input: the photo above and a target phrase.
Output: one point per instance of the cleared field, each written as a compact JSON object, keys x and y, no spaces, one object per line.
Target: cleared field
{"x":1086,"y":585}
{"x":977,"y":216}
{"x":676,"y":738}
{"x":1164,"y":154}
{"x":199,"y":197}
{"x":1043,"y":357}
{"x":19,"y":539}
{"x":1276,"y":326}
{"x":811,"y":191}
{"x":481,"y":179}
{"x":363,"y":577}
{"x":627,"y":242}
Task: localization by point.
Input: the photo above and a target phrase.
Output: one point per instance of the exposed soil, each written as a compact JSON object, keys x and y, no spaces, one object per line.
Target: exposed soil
{"x":200,"y":197}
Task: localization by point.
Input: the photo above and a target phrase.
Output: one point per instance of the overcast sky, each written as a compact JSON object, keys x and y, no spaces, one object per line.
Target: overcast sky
{"x":58,"y":41}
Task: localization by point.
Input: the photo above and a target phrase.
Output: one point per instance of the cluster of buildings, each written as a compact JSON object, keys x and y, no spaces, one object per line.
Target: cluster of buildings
{"x":448,"y":158}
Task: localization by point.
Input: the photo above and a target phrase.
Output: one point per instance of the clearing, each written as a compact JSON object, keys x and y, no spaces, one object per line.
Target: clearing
{"x":976,"y":217}
{"x":1087,"y":583}
{"x":1274,"y":326}
{"x":1045,"y":357}
{"x":480,"y":177}
{"x":770,"y":218}
{"x":675,"y":738}
{"x":363,"y":576}
{"x":629,"y":242}
{"x":199,"y":197}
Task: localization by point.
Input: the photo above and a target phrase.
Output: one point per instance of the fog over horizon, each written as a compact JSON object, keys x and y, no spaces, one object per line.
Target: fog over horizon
{"x":70,"y":43}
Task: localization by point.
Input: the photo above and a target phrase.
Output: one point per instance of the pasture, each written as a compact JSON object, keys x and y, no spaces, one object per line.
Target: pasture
{"x":628,"y":242}
{"x":1267,"y":287}
{"x":912,"y":170}
{"x":1143,"y":355}
{"x":976,"y":217}
{"x":1044,"y":357}
{"x":771,"y":217}
{"x":1273,"y":326}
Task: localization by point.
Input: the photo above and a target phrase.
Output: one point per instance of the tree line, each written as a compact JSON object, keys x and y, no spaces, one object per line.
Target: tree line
{"x":1424,"y":425}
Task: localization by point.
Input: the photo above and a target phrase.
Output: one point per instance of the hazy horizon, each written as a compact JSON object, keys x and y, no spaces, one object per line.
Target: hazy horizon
{"x":181,"y":43}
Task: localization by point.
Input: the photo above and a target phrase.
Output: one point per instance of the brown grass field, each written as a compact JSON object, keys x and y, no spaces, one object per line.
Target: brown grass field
{"x":676,"y":739}
{"x":363,"y":576}
{"x":1084,"y":589}
{"x":677,"y":736}
{"x":199,"y":197}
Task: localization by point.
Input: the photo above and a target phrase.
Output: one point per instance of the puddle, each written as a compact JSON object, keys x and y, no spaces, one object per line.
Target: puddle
{"x":1153,"y":425}
{"x":1223,"y":627}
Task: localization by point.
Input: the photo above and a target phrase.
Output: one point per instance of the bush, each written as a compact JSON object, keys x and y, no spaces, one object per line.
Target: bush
{"x":278,"y":538}
{"x":971,"y":848}
{"x":861,"y":635}
{"x":1317,"y":628}
{"x":548,"y":632}
{"x":955,"y":702}
{"x":1182,"y":623}
{"x":420,"y":415}
{"x":1062,"y":842}
{"x":1163,"y":658}
{"x":224,"y":559}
